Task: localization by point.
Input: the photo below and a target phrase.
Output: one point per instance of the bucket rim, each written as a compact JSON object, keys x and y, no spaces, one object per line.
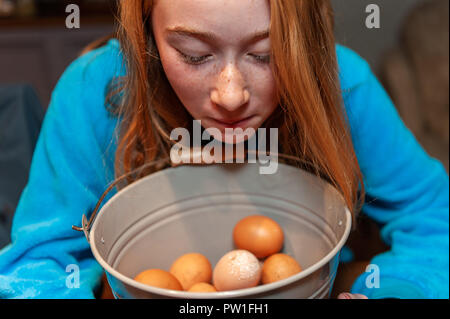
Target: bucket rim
{"x":239,"y":293}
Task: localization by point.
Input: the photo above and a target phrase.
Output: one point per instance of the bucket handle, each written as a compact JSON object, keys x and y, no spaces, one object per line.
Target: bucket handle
{"x":87,"y":224}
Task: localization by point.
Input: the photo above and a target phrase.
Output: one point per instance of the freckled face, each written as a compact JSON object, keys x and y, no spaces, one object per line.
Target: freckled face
{"x":216,"y":56}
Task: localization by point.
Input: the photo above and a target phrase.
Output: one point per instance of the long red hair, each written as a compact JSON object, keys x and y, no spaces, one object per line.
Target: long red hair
{"x":311,"y":117}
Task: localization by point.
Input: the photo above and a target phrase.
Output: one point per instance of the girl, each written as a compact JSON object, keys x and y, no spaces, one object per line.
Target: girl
{"x":228,"y":63}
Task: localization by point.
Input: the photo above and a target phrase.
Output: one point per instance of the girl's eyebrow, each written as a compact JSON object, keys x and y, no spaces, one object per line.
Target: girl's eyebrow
{"x":209,"y":37}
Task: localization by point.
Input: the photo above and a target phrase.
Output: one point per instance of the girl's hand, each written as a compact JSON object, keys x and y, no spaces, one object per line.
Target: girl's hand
{"x":346,"y":295}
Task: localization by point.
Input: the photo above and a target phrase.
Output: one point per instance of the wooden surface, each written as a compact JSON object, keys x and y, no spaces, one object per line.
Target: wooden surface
{"x":106,"y":289}
{"x":346,"y":276}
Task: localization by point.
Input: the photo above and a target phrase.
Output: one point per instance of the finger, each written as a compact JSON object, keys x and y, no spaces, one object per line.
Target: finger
{"x":358,"y":296}
{"x":346,"y":295}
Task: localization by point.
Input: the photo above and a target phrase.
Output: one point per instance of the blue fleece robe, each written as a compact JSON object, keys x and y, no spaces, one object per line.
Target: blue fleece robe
{"x":408,"y":191}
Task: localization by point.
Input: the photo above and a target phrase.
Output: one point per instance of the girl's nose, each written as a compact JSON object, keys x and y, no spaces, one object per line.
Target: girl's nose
{"x":230,"y":91}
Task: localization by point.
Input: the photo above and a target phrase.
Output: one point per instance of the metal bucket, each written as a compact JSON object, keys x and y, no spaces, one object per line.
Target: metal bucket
{"x":194,"y":208}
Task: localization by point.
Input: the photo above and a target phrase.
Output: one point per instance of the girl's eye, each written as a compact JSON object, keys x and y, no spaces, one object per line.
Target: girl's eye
{"x":197,"y":60}
{"x":194,"y":60}
{"x":265,"y":59}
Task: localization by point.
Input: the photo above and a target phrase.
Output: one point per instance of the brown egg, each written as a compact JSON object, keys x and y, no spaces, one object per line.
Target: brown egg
{"x":279,"y":266}
{"x":191,"y":268}
{"x":258,"y":234}
{"x":237,"y":269}
{"x":159,"y":278}
{"x":202,"y":287}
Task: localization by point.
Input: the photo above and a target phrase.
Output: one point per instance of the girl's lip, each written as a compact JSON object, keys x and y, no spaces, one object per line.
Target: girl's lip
{"x":232,"y":123}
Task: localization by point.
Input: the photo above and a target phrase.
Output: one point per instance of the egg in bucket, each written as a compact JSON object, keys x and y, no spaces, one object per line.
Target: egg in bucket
{"x":194,"y":208}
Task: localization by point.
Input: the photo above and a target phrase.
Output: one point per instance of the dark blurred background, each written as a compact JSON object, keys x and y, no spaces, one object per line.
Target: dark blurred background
{"x":409,"y":54}
{"x":36,"y":46}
